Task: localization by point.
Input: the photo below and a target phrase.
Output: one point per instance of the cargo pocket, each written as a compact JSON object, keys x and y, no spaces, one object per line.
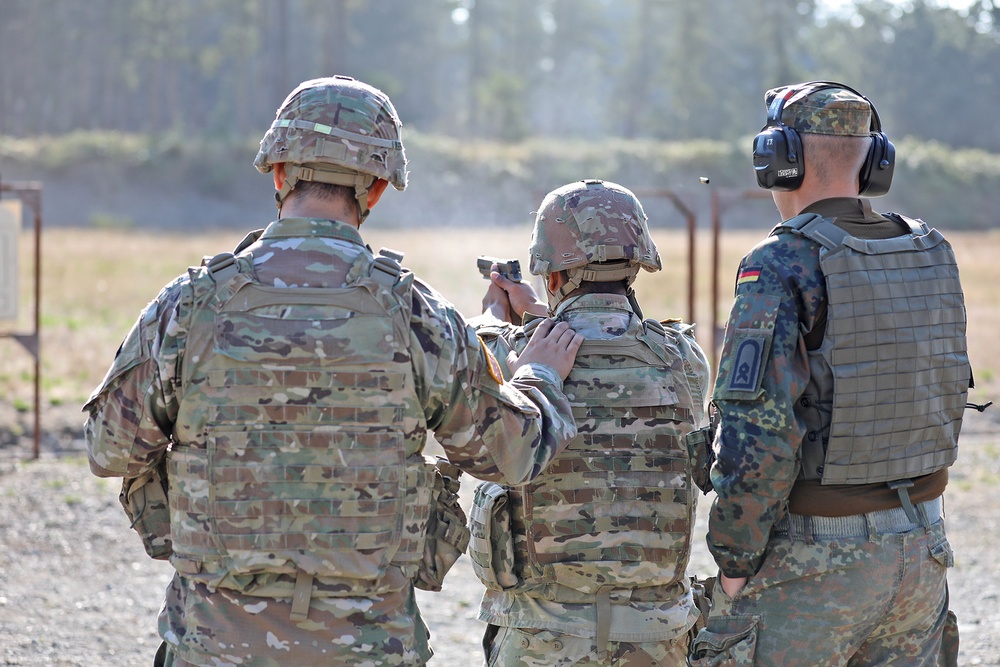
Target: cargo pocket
{"x":942,"y":553}
{"x":727,"y":641}
{"x":491,"y":546}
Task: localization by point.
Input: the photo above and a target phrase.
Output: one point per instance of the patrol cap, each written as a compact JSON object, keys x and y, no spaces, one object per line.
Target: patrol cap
{"x":823,"y":110}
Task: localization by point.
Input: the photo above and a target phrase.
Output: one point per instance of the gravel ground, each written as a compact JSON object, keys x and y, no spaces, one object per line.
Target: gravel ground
{"x":77,"y":589}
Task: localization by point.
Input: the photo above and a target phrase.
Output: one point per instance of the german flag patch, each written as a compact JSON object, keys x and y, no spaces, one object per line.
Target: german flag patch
{"x":492,"y":365}
{"x":748,"y":275}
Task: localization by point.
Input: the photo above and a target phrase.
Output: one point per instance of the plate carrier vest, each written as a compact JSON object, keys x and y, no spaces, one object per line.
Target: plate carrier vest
{"x":298,"y":443}
{"x":895,"y":356}
{"x":611,"y":516}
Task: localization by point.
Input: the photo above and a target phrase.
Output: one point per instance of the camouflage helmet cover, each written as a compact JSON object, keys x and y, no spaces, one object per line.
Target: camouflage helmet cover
{"x":336,"y":121}
{"x":589,"y":223}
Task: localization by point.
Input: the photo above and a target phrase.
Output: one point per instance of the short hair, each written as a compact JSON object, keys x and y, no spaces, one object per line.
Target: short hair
{"x":328,"y":192}
{"x":829,"y":157}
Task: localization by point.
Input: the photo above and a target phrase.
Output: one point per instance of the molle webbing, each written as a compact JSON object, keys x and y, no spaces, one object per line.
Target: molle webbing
{"x":293,"y":451}
{"x":613,"y":511}
{"x":895,"y":342}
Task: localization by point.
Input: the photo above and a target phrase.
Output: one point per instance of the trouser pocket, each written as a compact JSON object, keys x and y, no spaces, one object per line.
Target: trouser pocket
{"x":727,"y":641}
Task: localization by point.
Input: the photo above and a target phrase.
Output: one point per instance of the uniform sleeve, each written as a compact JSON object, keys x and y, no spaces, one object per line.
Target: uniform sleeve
{"x":763,"y":371}
{"x":127,"y":429}
{"x":506,"y":432}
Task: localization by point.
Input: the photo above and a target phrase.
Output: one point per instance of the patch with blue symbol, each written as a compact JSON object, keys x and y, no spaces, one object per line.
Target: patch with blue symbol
{"x":747,"y":361}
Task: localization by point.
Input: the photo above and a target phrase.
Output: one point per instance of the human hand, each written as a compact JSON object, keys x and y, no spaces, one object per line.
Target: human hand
{"x":521,"y":296}
{"x":553,"y":344}
{"x":496,"y":301}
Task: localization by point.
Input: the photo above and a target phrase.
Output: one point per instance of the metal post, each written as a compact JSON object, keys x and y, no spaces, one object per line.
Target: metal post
{"x":31,"y":194}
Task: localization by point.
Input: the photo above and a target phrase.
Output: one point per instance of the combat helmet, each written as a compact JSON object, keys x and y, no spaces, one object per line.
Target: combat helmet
{"x":594,"y":230}
{"x":335,"y":130}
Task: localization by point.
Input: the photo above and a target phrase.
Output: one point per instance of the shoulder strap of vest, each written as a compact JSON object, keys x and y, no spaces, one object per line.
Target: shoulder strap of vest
{"x":224,"y":266}
{"x":221,"y":267}
{"x":656,"y":334}
{"x":815,"y":228}
{"x":387,"y":267}
{"x":916,"y":227}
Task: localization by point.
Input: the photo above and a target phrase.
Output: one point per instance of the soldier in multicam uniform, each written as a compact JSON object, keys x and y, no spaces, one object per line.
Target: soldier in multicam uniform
{"x":289,"y":387}
{"x":840,"y":394}
{"x":585,"y":565}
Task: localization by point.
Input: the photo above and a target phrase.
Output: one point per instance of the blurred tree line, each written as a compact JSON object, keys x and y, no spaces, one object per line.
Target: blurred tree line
{"x":503,"y":70}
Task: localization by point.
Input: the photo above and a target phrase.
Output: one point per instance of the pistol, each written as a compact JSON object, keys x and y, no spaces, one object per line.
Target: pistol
{"x":508,"y":268}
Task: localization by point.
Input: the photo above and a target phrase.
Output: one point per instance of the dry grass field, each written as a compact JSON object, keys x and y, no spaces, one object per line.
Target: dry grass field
{"x":75,"y":586}
{"x":94,"y":282}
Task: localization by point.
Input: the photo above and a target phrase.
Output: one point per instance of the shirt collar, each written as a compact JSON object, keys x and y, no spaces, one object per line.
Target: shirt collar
{"x":284,"y":228}
{"x":603,"y":302}
{"x":843,"y":207}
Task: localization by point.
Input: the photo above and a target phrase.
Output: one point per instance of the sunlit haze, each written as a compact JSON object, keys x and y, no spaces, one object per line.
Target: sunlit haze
{"x":839,"y":6}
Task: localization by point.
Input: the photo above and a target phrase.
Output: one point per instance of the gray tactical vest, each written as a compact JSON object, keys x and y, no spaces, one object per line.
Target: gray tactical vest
{"x":299,"y":440}
{"x":890,"y":380}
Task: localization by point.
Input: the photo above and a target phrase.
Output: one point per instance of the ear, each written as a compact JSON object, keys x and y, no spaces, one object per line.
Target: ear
{"x":556,"y":281}
{"x":278,"y":172}
{"x":375,"y":191}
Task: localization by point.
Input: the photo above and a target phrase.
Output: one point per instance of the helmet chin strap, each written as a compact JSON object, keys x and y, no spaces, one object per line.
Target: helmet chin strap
{"x":597,"y":272}
{"x":332,"y":175}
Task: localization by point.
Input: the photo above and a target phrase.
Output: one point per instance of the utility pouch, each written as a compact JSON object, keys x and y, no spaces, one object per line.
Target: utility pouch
{"x":700,"y":453}
{"x":731,"y":642}
{"x":492,"y":545}
{"x":701,"y":590}
{"x":447,"y":533}
{"x":699,"y":446}
{"x":144,"y":500}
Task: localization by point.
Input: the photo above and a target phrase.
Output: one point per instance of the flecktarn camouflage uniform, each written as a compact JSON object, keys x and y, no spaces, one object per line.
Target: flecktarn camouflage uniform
{"x":586,"y":564}
{"x":289,"y":388}
{"x":843,"y":370}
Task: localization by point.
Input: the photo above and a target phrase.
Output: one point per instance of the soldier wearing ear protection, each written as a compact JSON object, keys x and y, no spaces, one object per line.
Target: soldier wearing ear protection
{"x":840,"y":395}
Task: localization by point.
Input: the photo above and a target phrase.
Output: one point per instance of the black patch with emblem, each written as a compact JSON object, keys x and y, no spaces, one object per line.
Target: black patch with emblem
{"x":748,"y":361}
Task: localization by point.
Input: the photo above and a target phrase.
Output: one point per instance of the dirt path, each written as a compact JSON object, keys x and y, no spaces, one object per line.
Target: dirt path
{"x":77,"y":589}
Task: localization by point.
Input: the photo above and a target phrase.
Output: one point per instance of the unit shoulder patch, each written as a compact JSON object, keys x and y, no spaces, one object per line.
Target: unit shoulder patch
{"x":748,"y":358}
{"x":492,"y":365}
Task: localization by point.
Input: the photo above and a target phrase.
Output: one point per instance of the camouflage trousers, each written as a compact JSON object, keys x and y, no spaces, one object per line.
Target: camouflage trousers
{"x":205,"y":627}
{"x":856,"y":591}
{"x":530,"y":647}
